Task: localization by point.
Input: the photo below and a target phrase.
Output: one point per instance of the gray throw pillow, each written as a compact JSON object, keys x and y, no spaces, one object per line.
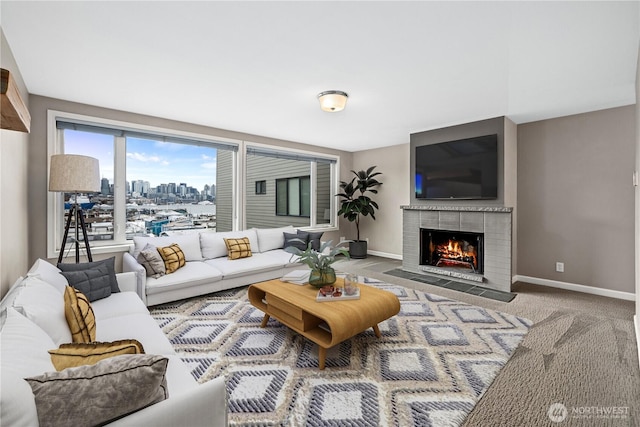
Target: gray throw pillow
{"x":313,"y":237}
{"x":110,"y":263}
{"x":93,"y":283}
{"x":295,"y":240}
{"x":96,"y":394}
{"x":152,"y":262}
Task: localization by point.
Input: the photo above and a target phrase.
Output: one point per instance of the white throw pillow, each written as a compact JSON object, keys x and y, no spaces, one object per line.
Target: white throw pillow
{"x":44,"y":305}
{"x":23,"y":353}
{"x":48,"y":273}
{"x":189,"y":244}
{"x":213,"y":245}
{"x":272,"y":238}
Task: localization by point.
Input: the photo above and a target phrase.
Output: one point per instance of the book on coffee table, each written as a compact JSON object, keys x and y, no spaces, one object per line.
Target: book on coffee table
{"x":298,"y":277}
{"x":340,"y":295}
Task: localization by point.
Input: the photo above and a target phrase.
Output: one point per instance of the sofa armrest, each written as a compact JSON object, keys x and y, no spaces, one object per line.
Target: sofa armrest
{"x":127,"y":282}
{"x":204,"y":405}
{"x":129,"y":264}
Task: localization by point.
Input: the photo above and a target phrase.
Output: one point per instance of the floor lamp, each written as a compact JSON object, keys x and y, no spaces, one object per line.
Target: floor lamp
{"x":70,"y":173}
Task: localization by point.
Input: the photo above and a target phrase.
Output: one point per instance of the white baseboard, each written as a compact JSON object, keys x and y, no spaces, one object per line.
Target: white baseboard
{"x":637,"y":327}
{"x":575,"y":287}
{"x":385,"y":255}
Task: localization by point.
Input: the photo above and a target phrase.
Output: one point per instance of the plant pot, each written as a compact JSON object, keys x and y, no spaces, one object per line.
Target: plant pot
{"x":358,"y":249}
{"x":320,"y":278}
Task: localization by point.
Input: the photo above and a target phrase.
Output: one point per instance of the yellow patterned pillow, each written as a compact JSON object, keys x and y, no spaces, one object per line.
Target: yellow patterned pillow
{"x":79,"y":315}
{"x":79,"y":354}
{"x":173,"y":257}
{"x":238,"y":248}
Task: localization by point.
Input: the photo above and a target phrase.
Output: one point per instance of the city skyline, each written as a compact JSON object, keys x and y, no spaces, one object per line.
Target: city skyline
{"x":148,"y":160}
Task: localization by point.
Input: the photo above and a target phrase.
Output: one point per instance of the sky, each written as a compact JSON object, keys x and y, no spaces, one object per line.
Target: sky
{"x":147,"y":160}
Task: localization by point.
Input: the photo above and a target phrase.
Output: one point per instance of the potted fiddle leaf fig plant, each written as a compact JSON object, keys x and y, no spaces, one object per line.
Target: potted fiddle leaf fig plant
{"x":355,"y":203}
{"x":319,"y":262}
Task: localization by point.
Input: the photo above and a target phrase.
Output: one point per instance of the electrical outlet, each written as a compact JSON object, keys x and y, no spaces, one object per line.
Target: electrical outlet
{"x":560,"y":267}
{"x":342,"y":238}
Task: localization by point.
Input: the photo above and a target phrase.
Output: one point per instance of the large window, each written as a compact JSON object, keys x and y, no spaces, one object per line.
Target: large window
{"x":157,"y":182}
{"x":300,"y":185}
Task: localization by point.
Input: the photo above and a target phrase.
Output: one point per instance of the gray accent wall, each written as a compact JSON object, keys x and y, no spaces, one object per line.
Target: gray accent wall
{"x":14,"y":188}
{"x":576,"y":198}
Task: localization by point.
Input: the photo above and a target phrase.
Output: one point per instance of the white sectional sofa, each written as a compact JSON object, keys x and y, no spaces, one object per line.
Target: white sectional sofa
{"x":33,"y":322}
{"x":208,"y":268}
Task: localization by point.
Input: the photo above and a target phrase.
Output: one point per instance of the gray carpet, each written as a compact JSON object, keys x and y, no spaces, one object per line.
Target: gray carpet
{"x":581,"y":352}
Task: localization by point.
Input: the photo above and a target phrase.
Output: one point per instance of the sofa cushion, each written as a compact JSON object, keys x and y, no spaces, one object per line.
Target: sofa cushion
{"x":192,"y":274}
{"x":173,"y":257}
{"x":245,"y":266}
{"x":23,"y":353}
{"x":238,"y":248}
{"x":272,"y":238}
{"x":94,"y":282}
{"x":48,"y":273}
{"x":295,"y":240}
{"x":9,"y":298}
{"x":96,"y":394}
{"x":141,"y":327}
{"x":214,"y":246}
{"x":282,"y":258}
{"x":79,"y":354}
{"x":189,"y":244}
{"x":79,"y":315}
{"x":120,"y":304}
{"x":109,"y":263}
{"x":43,"y":304}
{"x":152,"y":262}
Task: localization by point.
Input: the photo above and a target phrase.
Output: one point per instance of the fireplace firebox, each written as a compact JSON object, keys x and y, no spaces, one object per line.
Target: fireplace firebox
{"x":452,"y":250}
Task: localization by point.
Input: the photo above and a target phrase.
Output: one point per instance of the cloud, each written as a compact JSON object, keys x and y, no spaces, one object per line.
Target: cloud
{"x":209,"y":165}
{"x":142,"y":157}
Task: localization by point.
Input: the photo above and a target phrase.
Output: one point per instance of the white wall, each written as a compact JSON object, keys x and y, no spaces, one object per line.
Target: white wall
{"x":385,"y":233}
{"x":14,"y":259}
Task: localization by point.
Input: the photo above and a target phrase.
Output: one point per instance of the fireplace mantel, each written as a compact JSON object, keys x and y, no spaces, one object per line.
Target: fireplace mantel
{"x":457,"y":208}
{"x":494,"y":222}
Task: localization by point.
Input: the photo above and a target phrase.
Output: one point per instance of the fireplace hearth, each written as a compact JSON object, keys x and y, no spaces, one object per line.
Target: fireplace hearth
{"x":455,"y":251}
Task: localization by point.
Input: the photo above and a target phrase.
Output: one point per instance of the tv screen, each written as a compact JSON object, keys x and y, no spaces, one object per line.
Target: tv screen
{"x":462,"y":169}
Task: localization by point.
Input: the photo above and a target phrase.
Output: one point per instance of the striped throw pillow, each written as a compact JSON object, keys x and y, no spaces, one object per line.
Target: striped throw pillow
{"x":79,"y":315}
{"x":79,"y":354}
{"x":238,"y":248}
{"x":173,"y":257}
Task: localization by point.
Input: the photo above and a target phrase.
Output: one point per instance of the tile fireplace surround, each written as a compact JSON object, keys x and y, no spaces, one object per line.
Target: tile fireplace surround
{"x":494,"y":222}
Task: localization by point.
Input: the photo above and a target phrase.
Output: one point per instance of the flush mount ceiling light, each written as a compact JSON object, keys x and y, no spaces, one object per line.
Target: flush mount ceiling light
{"x":332,"y":100}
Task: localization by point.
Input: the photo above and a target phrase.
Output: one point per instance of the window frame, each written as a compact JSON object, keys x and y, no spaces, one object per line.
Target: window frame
{"x":261,"y":187}
{"x":55,"y":208}
{"x":300,"y":198}
{"x":333,"y":187}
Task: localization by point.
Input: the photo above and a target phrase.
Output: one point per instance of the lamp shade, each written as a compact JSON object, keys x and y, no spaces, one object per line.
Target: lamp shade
{"x":74,"y":173}
{"x":333,"y":100}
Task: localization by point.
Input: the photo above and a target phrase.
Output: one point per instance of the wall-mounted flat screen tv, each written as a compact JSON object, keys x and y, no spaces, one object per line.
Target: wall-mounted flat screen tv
{"x":462,"y":169}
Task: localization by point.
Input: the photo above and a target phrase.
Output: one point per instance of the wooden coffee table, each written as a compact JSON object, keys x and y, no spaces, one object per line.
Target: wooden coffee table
{"x":296,"y":307}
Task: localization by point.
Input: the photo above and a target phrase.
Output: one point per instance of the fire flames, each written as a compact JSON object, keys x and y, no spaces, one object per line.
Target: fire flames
{"x":458,"y":251}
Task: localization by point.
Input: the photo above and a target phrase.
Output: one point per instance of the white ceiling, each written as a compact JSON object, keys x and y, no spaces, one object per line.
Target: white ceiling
{"x":257,"y":67}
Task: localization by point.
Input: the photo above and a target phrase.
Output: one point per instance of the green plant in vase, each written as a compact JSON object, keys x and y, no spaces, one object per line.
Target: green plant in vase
{"x":319,"y":262}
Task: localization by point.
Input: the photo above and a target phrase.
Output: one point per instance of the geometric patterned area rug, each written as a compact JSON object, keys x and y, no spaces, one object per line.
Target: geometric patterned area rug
{"x":433,"y":363}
